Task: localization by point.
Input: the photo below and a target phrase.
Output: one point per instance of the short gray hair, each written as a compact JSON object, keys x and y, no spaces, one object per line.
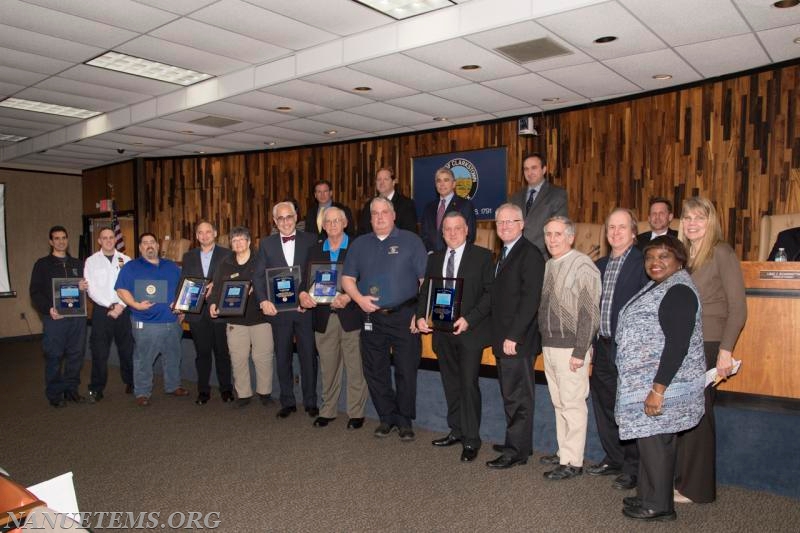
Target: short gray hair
{"x":513,"y":207}
{"x":281,"y":204}
{"x":381,"y":199}
{"x":569,"y":225}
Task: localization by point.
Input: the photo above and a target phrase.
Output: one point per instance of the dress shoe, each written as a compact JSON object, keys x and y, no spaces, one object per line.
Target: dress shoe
{"x":243,"y":402}
{"x":384,"y":430}
{"x":677,"y":497}
{"x":94,"y":396}
{"x":624,"y":482}
{"x":550,"y":460}
{"x":449,"y":440}
{"x":266,"y":399}
{"x":312,"y":411}
{"x":128,"y":389}
{"x":355,"y":423}
{"x":632,"y":501}
{"x":226,"y":396}
{"x":640,"y":513}
{"x":286,"y":411}
{"x":202,"y":398}
{"x":58,"y":403}
{"x":603,"y":469}
{"x":505,"y":462}
{"x":407,"y":434}
{"x":563,"y":472}
{"x":142,"y":401}
{"x":499,"y":448}
{"x":468,"y":454}
{"x":74,"y":397}
{"x":180,"y":391}
{"x":322,"y":421}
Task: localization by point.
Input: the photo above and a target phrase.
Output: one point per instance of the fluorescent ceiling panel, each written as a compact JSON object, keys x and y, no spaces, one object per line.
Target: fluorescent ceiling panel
{"x":403,"y":9}
{"x":148,"y":69}
{"x":52,"y":109}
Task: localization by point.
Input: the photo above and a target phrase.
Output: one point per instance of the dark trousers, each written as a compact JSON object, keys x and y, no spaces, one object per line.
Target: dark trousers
{"x":286,"y":327}
{"x":656,"y":471}
{"x":695,"y":470}
{"x":622,"y":454}
{"x":391,"y":339}
{"x":209,"y":338}
{"x":517,"y":386}
{"x":105,"y":330}
{"x":63,"y":342}
{"x":459,"y":367}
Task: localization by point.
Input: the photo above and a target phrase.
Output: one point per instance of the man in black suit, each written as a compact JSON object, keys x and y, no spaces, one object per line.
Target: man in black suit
{"x":288,"y":247}
{"x":659,"y":217}
{"x":447,"y":202}
{"x":208,"y":335}
{"x":404,"y":208}
{"x":622,"y":275}
{"x":460,"y":351}
{"x":789,"y":240}
{"x":539,"y":201}
{"x":515,"y":295}
{"x":323,"y":193}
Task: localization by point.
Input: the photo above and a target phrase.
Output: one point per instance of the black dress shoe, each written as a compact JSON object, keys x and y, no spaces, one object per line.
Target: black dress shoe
{"x":384,"y":430}
{"x":563,"y":472}
{"x":624,"y":482}
{"x":468,"y":454}
{"x":202,"y":398}
{"x":74,"y":397}
{"x":505,"y":462}
{"x":632,"y":501}
{"x":243,"y":402}
{"x":58,"y":403}
{"x":94,"y":396}
{"x":226,"y":396}
{"x":128,"y":389}
{"x":648,"y":514}
{"x":550,"y":460}
{"x":266,"y":399}
{"x":499,"y":448}
{"x":322,"y":421}
{"x":286,"y":411}
{"x":603,"y":469}
{"x":312,"y":411}
{"x":449,"y":440}
{"x":406,"y":434}
{"x":355,"y":423}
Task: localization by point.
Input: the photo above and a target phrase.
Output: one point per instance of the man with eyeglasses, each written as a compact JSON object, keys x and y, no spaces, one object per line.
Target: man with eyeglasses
{"x":288,"y":247}
{"x":515,"y":295}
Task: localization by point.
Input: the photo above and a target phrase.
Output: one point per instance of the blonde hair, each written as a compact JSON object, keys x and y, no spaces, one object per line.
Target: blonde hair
{"x":713,"y":236}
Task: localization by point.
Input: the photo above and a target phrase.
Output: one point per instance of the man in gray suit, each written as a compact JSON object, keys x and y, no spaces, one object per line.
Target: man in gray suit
{"x":539,"y":201}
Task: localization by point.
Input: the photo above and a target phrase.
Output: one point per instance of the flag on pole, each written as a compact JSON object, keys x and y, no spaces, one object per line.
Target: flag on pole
{"x":119,"y":240}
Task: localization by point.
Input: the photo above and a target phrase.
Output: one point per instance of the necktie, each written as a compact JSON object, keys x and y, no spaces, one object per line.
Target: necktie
{"x":320,"y":214}
{"x":450,"y":270}
{"x":440,"y":214}
{"x":529,"y":203}
{"x":502,"y":258}
{"x":287,"y":239}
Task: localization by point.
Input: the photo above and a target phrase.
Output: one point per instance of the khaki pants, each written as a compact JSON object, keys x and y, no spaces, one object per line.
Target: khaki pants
{"x":568,"y":392}
{"x":240,"y":341}
{"x":337,"y":349}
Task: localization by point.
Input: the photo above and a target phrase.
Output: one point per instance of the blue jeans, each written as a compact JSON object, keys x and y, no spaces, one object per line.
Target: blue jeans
{"x":64,"y":342}
{"x":149,"y":341}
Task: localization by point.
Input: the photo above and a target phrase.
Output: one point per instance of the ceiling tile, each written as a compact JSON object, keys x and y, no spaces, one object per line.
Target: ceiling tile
{"x":241,"y":112}
{"x":452,"y":55}
{"x":38,"y":120}
{"x":91,"y":90}
{"x":433,"y":106}
{"x":317,"y":94}
{"x":474,"y":118}
{"x":779,"y":42}
{"x":181,"y":56}
{"x":120,"y":13}
{"x":180,"y":7}
{"x":581,"y":27}
{"x":264,"y":100}
{"x":21,"y":77}
{"x":259,"y":141}
{"x":118,"y":80}
{"x":353,"y":121}
{"x":149,"y":136}
{"x":31,"y":62}
{"x":480,"y":97}
{"x":179,"y":128}
{"x":346,"y":79}
{"x":72,"y":100}
{"x":532,"y":88}
{"x":316,"y":127}
{"x":342,"y":17}
{"x":407,"y":71}
{"x":732,"y":54}
{"x":45,"y":45}
{"x":591,"y":80}
{"x":641,"y":68}
{"x":762,"y":16}
{"x":518,"y":112}
{"x":397,"y":115}
{"x":289,"y":134}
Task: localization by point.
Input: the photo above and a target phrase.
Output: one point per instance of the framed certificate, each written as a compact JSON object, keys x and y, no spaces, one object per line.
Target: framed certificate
{"x":233,"y":298}
{"x":191,"y":295}
{"x":282,"y":285}
{"x":444,"y":302}
{"x":325,"y":281}
{"x":151,"y":290}
{"x":68,"y":298}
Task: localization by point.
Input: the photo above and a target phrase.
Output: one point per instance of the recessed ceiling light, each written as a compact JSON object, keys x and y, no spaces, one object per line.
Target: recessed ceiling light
{"x":283,"y":108}
{"x":470,"y":67}
{"x":552,"y":99}
{"x":270,"y":143}
{"x":440,"y":119}
{"x":199,"y":152}
{"x":785,"y":3}
{"x":662,"y":76}
{"x":362,"y":88}
{"x":797,"y":40}
{"x":7,"y":137}
{"x":402,"y":9}
{"x":51,"y":109}
{"x":605,"y":39}
{"x":148,"y":69}
{"x":329,"y":132}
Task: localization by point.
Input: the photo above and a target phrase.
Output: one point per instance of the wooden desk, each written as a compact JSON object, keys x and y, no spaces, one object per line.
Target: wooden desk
{"x":769,"y":345}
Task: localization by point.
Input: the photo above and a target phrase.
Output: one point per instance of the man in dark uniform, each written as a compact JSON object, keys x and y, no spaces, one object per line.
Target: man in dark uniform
{"x":404,"y":208}
{"x":382,"y":273}
{"x":460,"y":351}
{"x":208,"y":335}
{"x":64,"y":338}
{"x":447,"y":202}
{"x":324,"y":197}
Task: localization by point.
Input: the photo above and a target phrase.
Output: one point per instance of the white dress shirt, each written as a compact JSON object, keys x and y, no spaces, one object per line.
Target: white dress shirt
{"x":456,"y":260}
{"x":102,"y":275}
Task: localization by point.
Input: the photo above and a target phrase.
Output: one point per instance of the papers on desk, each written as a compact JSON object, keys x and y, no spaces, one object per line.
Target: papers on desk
{"x":713,"y":379}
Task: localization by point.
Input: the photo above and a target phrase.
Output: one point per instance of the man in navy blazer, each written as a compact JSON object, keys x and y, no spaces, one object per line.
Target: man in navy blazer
{"x":447,"y":202}
{"x":324,"y":199}
{"x":659,"y":217}
{"x":515,"y":295}
{"x":208,"y":335}
{"x":539,"y":201}
{"x":288,"y":247}
{"x":622,"y":276}
{"x":789,"y":240}
{"x":460,"y":351}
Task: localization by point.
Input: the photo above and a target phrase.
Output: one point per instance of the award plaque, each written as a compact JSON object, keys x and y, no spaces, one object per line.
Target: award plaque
{"x":282,"y":285}
{"x":325,"y":282}
{"x":233,"y":298}
{"x":191,"y":295}
{"x":150,"y":290}
{"x":444,"y":302}
{"x":68,"y":298}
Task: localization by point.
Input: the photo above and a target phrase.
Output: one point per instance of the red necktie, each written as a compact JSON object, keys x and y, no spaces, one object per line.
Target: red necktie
{"x":287,"y":239}
{"x":440,"y":214}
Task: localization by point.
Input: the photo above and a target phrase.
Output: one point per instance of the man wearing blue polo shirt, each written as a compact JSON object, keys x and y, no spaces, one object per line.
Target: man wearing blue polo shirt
{"x":146,"y":285}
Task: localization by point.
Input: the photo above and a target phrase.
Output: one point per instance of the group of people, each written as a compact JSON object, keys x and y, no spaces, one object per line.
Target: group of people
{"x":650,"y":318}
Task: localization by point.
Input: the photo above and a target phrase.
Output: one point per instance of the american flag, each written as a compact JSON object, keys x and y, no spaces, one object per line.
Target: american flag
{"x":119,"y":240}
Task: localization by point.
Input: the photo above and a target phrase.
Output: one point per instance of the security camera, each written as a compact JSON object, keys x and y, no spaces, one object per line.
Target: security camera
{"x":120,"y":150}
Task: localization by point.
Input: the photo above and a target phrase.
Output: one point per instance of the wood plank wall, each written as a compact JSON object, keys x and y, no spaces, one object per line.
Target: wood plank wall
{"x":736,"y":141}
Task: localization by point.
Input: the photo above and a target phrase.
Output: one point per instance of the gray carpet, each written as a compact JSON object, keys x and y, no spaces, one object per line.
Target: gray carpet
{"x":264,"y":474}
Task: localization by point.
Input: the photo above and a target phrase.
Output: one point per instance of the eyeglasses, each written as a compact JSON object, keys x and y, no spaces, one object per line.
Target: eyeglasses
{"x":287,"y":218}
{"x":507,"y":222}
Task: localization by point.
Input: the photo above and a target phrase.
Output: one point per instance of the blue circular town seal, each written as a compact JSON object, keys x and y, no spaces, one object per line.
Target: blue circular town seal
{"x":466,"y":177}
